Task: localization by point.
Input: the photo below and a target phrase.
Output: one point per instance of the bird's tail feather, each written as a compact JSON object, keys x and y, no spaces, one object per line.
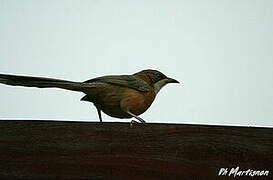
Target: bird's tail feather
{"x":40,"y":82}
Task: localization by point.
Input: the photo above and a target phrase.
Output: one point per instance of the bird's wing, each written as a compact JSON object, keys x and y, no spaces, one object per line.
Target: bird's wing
{"x":123,"y":81}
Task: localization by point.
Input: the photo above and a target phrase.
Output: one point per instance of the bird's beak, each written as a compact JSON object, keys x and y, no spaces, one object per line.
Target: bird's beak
{"x":171,"y":80}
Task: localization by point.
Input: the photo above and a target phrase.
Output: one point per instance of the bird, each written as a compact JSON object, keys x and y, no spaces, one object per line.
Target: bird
{"x":118,"y":96}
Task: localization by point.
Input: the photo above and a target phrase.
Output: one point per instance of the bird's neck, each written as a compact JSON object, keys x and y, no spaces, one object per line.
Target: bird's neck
{"x":144,"y":77}
{"x":156,"y":86}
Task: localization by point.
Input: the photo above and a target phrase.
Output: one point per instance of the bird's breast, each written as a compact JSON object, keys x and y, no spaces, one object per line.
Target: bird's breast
{"x":137,"y":102}
{"x":114,"y":100}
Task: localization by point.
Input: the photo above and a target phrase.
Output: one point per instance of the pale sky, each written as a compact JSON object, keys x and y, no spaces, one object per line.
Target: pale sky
{"x":221,"y":51}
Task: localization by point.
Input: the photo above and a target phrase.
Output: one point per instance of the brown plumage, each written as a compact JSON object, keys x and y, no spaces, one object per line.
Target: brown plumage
{"x":120,"y":96}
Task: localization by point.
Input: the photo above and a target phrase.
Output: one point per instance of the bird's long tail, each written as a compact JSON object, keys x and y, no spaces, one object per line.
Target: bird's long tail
{"x":41,"y":82}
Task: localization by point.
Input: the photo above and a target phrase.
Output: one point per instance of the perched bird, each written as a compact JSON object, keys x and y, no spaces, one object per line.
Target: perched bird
{"x":120,"y":96}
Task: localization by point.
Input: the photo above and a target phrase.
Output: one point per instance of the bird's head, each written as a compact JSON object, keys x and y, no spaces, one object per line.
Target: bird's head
{"x":155,"y":78}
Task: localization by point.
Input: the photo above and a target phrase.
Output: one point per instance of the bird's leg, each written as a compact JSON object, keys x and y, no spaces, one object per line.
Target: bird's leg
{"x":99,"y":112}
{"x":135,"y":116}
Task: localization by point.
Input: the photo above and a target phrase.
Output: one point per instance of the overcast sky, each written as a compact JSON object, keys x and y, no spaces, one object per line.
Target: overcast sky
{"x":221,"y":51}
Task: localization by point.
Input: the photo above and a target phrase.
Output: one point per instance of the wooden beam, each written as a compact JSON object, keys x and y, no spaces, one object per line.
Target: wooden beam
{"x":84,"y":150}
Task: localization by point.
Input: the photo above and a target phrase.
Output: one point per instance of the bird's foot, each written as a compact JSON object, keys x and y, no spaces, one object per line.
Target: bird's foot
{"x":133,"y":122}
{"x":136,"y":122}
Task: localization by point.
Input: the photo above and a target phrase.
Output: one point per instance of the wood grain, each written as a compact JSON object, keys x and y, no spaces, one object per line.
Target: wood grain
{"x":84,"y":150}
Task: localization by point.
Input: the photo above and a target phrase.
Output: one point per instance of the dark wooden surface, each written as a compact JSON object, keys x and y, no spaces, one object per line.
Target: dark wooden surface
{"x":79,"y":150}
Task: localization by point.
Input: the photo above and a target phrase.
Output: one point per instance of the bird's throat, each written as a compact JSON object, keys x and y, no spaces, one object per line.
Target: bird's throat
{"x":160,"y":84}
